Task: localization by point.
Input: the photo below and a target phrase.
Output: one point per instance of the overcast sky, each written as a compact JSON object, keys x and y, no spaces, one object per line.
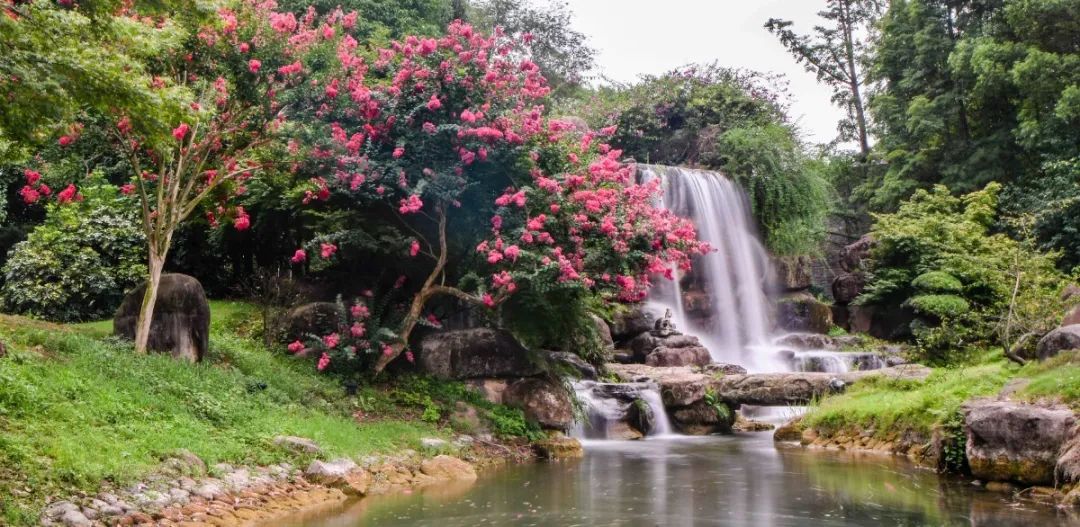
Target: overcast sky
{"x":653,"y":36}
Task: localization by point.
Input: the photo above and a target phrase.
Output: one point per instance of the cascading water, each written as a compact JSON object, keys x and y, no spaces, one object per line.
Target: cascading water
{"x":835,"y":361}
{"x":728,"y":309}
{"x":607,"y":405}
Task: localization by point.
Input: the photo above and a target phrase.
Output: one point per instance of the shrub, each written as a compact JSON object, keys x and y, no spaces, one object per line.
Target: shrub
{"x":78,"y":264}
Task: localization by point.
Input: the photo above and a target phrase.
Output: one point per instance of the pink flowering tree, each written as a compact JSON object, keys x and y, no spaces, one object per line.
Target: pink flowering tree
{"x":442,"y":131}
{"x":230,"y":78}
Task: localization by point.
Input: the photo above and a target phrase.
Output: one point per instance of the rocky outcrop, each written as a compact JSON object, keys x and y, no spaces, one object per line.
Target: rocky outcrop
{"x":342,"y":474}
{"x":703,"y":418}
{"x":474,"y":354}
{"x":312,"y":319}
{"x":566,"y":363}
{"x":847,"y":287}
{"x":558,"y":446}
{"x":1061,"y":339}
{"x":631,"y":323}
{"x":181,"y":321}
{"x":688,"y":356}
{"x":543,"y":401}
{"x":803,"y":312}
{"x":853,"y":255}
{"x":793,"y":273}
{"x":640,"y":416}
{"x":645,"y":344}
{"x":447,"y":468}
{"x":1012,"y":441}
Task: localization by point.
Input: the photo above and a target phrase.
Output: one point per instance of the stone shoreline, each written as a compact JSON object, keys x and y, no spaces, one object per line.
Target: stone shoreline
{"x":185,"y":494}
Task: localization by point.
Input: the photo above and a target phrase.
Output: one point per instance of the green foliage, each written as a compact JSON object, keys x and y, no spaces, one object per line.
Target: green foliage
{"x":937,"y":282}
{"x":435,"y":399}
{"x":79,"y":263}
{"x":938,"y":256}
{"x":729,"y":120}
{"x":712,"y":400}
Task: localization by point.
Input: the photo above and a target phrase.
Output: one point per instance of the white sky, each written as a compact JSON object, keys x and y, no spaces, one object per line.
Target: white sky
{"x":636,"y":37}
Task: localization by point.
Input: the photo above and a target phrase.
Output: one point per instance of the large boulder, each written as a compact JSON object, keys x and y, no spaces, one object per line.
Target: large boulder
{"x":702,"y":418}
{"x":543,"y":401}
{"x":1012,"y":441}
{"x":1072,"y":317}
{"x":629,"y":324}
{"x":639,"y":416}
{"x":793,"y":273}
{"x":688,"y":356}
{"x":645,"y":344}
{"x":312,"y":319}
{"x":803,"y":312}
{"x":847,"y":287}
{"x":1061,"y":339}
{"x":181,"y":321}
{"x":475,"y":354}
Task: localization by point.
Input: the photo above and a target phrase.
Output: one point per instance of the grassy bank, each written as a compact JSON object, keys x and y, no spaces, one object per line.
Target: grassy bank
{"x":78,"y":408}
{"x":886,"y":406}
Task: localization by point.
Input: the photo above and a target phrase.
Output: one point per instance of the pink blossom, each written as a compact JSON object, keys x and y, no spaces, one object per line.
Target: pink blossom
{"x":327,"y":250}
{"x":414,"y":248}
{"x":32,"y":176}
{"x":512,"y":252}
{"x":181,"y":131}
{"x":411,"y":204}
{"x":331,"y":340}
{"x":488,"y":301}
{"x":410,"y":357}
{"x":494,"y":257}
{"x":66,"y":140}
{"x":245,"y":47}
{"x":324,"y":361}
{"x":127,"y":189}
{"x":254,"y":65}
{"x":124,"y":125}
{"x":296,"y":346}
{"x":69,"y":194}
{"x":357,"y":330}
{"x":429,"y":128}
{"x":242,"y":221}
{"x":299,"y":256}
{"x":360,"y":310}
{"x":29,"y":195}
{"x":433,"y":320}
{"x":387,"y":350}
{"x":398,"y":152}
{"x":434,"y":103}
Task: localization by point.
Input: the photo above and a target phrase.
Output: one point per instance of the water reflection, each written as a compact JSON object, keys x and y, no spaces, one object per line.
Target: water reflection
{"x":728,"y":481}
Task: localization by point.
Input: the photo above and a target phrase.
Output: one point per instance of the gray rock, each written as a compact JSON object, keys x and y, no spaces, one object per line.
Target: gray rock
{"x":853,"y":255}
{"x":793,"y":273}
{"x":433,"y":443}
{"x":724,"y":369}
{"x":181,"y":319}
{"x":312,"y":319}
{"x":75,"y":518}
{"x":1012,"y":441}
{"x":55,"y":511}
{"x":847,"y":287}
{"x":475,"y":353}
{"x":109,"y":511}
{"x":298,"y":444}
{"x":543,"y":401}
{"x":645,"y":344}
{"x":321,"y":470}
{"x":1061,"y":339}
{"x":701,"y":418}
{"x":209,"y":490}
{"x":570,"y":362}
{"x":627,"y":325}
{"x":803,"y":312}
{"x":689,"y":356}
{"x":806,"y":341}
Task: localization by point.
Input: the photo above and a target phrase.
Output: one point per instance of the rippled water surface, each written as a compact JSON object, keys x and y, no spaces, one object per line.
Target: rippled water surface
{"x":743,"y":480}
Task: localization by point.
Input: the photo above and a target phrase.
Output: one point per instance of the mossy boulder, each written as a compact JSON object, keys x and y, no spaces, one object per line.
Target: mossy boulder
{"x":1013,"y":441}
{"x":181,"y":322}
{"x":803,"y":312}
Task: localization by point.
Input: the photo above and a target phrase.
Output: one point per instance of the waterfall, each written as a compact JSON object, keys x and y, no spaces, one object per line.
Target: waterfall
{"x":835,"y":361}
{"x":606,"y":409}
{"x":723,"y":301}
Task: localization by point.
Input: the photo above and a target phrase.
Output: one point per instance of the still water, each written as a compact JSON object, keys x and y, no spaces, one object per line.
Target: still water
{"x":742,"y":480}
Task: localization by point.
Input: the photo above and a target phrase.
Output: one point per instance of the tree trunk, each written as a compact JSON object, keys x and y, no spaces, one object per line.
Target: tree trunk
{"x":146,"y":314}
{"x":846,"y":23}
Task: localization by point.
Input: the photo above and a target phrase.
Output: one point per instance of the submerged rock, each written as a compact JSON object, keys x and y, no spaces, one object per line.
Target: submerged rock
{"x":1013,"y":441}
{"x":181,"y":321}
{"x":543,"y":401}
{"x":702,"y":418}
{"x":1061,"y":339}
{"x":475,"y":353}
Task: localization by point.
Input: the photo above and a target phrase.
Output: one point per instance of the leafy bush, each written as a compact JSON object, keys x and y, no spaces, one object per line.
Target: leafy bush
{"x":938,"y":256}
{"x":78,"y":264}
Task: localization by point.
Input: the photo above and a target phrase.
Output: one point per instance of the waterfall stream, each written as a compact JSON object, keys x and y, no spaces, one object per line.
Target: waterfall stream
{"x":723,"y":301}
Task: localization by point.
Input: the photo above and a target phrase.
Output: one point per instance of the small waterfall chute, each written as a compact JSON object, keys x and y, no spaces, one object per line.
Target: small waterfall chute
{"x":608,"y":408}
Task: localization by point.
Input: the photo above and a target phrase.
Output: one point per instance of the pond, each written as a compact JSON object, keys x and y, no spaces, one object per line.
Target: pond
{"x":741,"y":480}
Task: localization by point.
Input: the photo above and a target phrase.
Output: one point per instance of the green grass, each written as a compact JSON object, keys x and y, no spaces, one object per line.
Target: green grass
{"x":78,"y":408}
{"x":890,"y":405}
{"x":1057,"y":378}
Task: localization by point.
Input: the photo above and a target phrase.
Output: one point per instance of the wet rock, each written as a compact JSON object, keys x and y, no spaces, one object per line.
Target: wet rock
{"x":448,"y":468}
{"x":621,"y":431}
{"x":1061,"y":339}
{"x":793,"y":273}
{"x":475,"y":353}
{"x":558,"y":446}
{"x":640,"y":416}
{"x":181,"y":319}
{"x":806,"y":341}
{"x":791,"y":431}
{"x":298,"y":444}
{"x":603,"y":331}
{"x":342,"y":474}
{"x":645,"y":344}
{"x":743,"y":424}
{"x":701,"y":418}
{"x":690,"y":356}
{"x":1012,"y":441}
{"x":564,"y":361}
{"x":627,"y":325}
{"x":543,"y":401}
{"x":803,"y":312}
{"x":724,"y":369}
